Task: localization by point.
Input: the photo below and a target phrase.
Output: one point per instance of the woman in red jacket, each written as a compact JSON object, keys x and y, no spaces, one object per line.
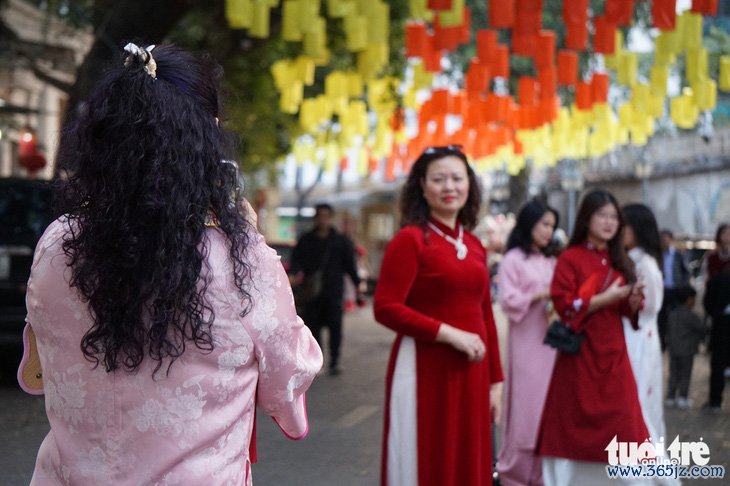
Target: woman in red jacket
{"x":433,"y":291}
{"x":592,"y":395}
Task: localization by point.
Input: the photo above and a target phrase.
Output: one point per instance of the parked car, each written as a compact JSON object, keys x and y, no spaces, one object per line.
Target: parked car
{"x":25,"y":212}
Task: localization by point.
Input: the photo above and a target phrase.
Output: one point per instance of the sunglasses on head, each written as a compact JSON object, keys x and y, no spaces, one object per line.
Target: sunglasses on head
{"x":443,"y":149}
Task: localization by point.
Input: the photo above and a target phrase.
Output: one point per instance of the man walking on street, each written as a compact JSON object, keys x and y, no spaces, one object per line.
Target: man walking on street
{"x":676,"y":275}
{"x":320,"y":259}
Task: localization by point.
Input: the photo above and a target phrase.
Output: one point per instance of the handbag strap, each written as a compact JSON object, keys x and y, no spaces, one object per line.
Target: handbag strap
{"x":606,"y":281}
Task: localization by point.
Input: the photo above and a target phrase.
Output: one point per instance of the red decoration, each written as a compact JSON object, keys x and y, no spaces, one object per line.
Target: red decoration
{"x":502,"y":14}
{"x":548,"y":82}
{"x":486,"y":45}
{"x":527,"y":90}
{"x":523,"y":44}
{"x":604,"y":40}
{"x":501,"y":63}
{"x":545,"y":49}
{"x":416,"y":39}
{"x":567,"y":68}
{"x":439,"y":4}
{"x":575,"y":11}
{"x":584,"y":95}
{"x":576,"y":36}
{"x":599,"y":85}
{"x":477,"y":77}
{"x":621,"y":12}
{"x":664,"y":13}
{"x":705,"y":7}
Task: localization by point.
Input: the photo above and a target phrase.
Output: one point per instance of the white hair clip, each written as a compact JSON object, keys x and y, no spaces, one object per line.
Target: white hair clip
{"x":144,"y":55}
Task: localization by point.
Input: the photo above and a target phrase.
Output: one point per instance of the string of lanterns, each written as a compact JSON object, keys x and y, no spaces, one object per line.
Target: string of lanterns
{"x":359,"y":112}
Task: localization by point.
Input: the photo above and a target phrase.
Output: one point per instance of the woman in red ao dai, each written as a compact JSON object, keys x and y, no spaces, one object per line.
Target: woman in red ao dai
{"x":592,"y":395}
{"x":433,"y":291}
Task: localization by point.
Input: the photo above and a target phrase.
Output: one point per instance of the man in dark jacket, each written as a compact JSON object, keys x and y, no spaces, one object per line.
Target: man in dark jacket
{"x":325,"y":255}
{"x":717,"y":305}
{"x":676,"y":274}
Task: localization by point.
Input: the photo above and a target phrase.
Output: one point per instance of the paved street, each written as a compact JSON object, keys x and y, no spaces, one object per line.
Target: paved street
{"x":343,"y":446}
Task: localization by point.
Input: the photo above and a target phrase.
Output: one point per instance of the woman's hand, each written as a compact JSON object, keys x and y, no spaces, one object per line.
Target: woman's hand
{"x":468,"y":343}
{"x":636,"y":296}
{"x":616,"y":291}
{"x":495,"y":402}
{"x":541,"y":296}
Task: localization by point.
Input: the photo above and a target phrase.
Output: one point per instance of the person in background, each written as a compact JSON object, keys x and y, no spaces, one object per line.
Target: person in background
{"x":685,"y":331}
{"x":592,"y":396}
{"x":676,"y":274}
{"x":717,"y":306}
{"x":719,"y":258}
{"x":161,"y":317}
{"x":326,"y":250}
{"x":524,"y":296}
{"x":641,"y":239}
{"x":444,"y":374}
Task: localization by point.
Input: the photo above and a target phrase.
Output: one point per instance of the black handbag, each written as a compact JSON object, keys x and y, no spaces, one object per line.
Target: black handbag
{"x":309,"y":289}
{"x":563,"y":338}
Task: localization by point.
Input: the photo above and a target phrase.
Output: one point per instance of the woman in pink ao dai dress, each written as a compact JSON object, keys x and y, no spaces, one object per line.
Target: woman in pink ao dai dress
{"x":524,"y":281}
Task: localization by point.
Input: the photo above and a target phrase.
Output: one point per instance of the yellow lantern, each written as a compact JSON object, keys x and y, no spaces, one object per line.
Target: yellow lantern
{"x":659,"y":78}
{"x":290,"y":30}
{"x":260,"y":22}
{"x":378,"y":22}
{"x":628,"y":64}
{"x":239,"y":13}
{"x":453,"y":17}
{"x":338,"y":9}
{"x":696,"y":65}
{"x":706,"y":94}
{"x":315,"y":39}
{"x":356,"y":32}
{"x":667,"y":46}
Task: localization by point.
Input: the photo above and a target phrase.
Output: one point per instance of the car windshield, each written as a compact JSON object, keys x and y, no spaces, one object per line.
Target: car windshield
{"x":25,"y":211}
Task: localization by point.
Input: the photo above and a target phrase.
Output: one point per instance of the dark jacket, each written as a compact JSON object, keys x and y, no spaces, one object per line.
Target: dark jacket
{"x":717,"y":295}
{"x":336,"y":252}
{"x":685,"y":330}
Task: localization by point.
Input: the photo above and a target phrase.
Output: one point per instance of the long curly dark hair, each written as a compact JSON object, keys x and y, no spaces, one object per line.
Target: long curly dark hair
{"x":414,"y":208}
{"x":592,"y":202}
{"x":147,"y":173}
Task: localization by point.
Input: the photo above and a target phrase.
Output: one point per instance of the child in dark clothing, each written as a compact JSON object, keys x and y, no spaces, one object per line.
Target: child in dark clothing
{"x":685,"y":330}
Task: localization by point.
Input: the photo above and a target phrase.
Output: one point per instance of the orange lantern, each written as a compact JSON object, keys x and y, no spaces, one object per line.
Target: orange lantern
{"x":486,"y":45}
{"x":548,"y":82}
{"x":545,"y":49}
{"x":527,"y":90}
{"x":501,"y":63}
{"x":567,"y":68}
{"x":664,"y":14}
{"x":502,"y":14}
{"x":584,"y":95}
{"x":599,"y":85}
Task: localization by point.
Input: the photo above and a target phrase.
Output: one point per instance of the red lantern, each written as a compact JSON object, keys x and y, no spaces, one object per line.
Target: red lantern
{"x":664,"y":14}
{"x":439,"y":4}
{"x":599,"y":89}
{"x":545,"y":49}
{"x":567,"y":68}
{"x":620,"y":11}
{"x":576,"y":36}
{"x":604,"y":40}
{"x":486,"y":45}
{"x":705,"y":7}
{"x":27,"y":142}
{"x":502,"y":14}
{"x":527,"y":90}
{"x":416,"y":39}
{"x":501,"y":64}
{"x":584,"y":96}
{"x":548,"y":82}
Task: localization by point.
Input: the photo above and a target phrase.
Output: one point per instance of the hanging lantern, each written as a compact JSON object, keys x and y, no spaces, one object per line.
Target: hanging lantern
{"x":604,"y":40}
{"x":439,"y":4}
{"x":628,"y":65}
{"x":544,"y":55}
{"x":486,"y":45}
{"x":548,"y":79}
{"x":696,"y":65}
{"x":567,"y":68}
{"x":260,"y":22}
{"x":667,"y":46}
{"x":28,"y":155}
{"x":416,"y":39}
{"x":239,"y":13}
{"x":452,"y":17}
{"x":290,"y":30}
{"x":659,"y":78}
{"x":502,"y":15}
{"x":576,"y":36}
{"x":583,"y":96}
{"x":620,"y":11}
{"x":705,"y":7}
{"x":664,"y":14}
{"x":599,"y":87}
{"x":501,"y":64}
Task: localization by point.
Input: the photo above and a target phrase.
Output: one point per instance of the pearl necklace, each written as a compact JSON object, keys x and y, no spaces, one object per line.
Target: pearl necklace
{"x":461,"y":249}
